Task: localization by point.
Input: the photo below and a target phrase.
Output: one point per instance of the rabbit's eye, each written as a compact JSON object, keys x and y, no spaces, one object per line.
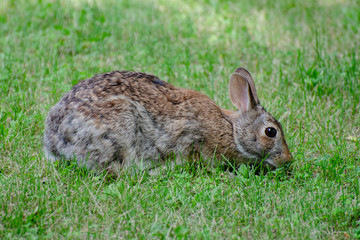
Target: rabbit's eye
{"x":270,"y":132}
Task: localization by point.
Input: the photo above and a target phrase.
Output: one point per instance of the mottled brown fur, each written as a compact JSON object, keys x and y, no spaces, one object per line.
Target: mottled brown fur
{"x":123,"y":118}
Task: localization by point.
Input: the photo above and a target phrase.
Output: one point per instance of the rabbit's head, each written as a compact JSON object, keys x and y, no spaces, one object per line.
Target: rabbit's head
{"x":258,"y":136}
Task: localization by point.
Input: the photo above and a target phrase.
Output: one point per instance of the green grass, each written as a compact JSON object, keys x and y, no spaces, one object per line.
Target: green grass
{"x":304,"y":56}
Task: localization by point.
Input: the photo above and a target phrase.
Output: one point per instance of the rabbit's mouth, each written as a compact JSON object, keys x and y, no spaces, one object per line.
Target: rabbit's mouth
{"x":262,"y":168}
{"x":270,"y":165}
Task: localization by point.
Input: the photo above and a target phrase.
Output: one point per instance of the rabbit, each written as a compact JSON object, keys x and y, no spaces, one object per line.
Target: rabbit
{"x":121,"y":119}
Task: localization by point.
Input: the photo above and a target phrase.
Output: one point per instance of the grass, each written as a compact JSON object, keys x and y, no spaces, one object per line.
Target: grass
{"x":304,"y":56}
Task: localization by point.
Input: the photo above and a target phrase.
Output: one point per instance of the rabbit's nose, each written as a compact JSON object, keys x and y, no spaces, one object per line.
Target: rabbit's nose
{"x":285,"y":156}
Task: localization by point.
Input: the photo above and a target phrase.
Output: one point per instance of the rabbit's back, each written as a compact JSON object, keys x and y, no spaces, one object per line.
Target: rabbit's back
{"x":95,"y":96}
{"x":121,"y":117}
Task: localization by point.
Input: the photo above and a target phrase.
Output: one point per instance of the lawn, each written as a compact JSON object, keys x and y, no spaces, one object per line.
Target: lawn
{"x":304,"y":57}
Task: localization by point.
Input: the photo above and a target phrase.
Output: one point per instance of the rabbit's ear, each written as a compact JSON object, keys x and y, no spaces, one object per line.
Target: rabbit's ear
{"x":245,"y":74}
{"x":240,"y":93}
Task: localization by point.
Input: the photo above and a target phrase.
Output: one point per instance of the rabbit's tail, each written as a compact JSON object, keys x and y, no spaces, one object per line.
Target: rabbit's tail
{"x":50,"y":150}
{"x":50,"y":155}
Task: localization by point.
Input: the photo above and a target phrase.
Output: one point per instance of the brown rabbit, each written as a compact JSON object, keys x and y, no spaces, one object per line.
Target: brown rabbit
{"x":119,"y":119}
